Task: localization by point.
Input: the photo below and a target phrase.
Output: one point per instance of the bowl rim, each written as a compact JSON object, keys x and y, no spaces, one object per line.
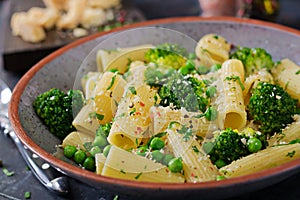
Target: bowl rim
{"x":67,"y":168}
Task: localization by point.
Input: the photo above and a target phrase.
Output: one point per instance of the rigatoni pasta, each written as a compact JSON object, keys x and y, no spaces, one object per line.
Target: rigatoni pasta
{"x":287,"y":74}
{"x":165,"y":124}
{"x":232,"y":111}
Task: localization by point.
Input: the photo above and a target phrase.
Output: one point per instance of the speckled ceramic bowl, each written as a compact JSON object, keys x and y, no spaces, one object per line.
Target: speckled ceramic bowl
{"x":60,"y":70}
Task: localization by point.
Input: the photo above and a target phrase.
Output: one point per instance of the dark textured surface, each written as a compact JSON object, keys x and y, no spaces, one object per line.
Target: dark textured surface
{"x":14,"y":187}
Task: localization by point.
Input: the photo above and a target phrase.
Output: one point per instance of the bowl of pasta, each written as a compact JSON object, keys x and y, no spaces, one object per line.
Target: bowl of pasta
{"x":180,"y":107}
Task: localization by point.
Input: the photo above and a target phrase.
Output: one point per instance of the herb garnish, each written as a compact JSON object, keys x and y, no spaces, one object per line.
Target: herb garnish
{"x":98,"y":116}
{"x":8,"y":173}
{"x":235,"y":78}
{"x":291,"y":154}
{"x":132,"y":90}
{"x":138,"y":176}
{"x":112,"y":82}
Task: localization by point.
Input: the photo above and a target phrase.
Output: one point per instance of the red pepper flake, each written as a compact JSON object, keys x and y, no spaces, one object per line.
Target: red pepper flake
{"x":138,"y":113}
{"x":193,"y":175}
{"x":138,"y":130}
{"x":158,"y":114}
{"x":142,"y":104}
{"x":151,"y":116}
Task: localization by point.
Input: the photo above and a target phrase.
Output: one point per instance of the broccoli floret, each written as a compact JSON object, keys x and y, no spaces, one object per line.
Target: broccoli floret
{"x":167,"y":54}
{"x":156,"y":76}
{"x":253,"y":59}
{"x":271,"y":107}
{"x":57,"y":110}
{"x":227,"y":146}
{"x":184,"y":91}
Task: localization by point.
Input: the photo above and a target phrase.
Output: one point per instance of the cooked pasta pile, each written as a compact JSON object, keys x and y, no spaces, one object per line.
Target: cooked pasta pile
{"x":160,"y":118}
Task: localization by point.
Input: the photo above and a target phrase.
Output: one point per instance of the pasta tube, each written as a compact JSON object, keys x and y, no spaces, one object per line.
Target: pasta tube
{"x":133,"y":117}
{"x":161,"y":117}
{"x":252,"y":80}
{"x":126,"y":165}
{"x":77,"y":139}
{"x":290,"y":133}
{"x":85,"y":121}
{"x":197,"y":166}
{"x":105,"y":57}
{"x":230,"y":101}
{"x":212,"y":49}
{"x":100,"y":161}
{"x":108,"y":94}
{"x":287,"y":74}
{"x":262,"y":160}
{"x":89,"y":82}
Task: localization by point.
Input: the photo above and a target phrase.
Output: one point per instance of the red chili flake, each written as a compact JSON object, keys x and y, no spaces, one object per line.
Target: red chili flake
{"x":138,"y":113}
{"x":158,"y":114}
{"x":142,"y":104}
{"x":151,"y":116}
{"x":139,"y":129}
{"x":193,"y":175}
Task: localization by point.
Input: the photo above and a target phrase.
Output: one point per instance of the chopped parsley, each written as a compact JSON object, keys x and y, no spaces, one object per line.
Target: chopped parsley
{"x":291,"y":154}
{"x":122,"y":171}
{"x":297,"y":72}
{"x":132,"y":90}
{"x":195,"y":149}
{"x":8,"y":173}
{"x":235,"y":78}
{"x":112,"y":82}
{"x":27,"y":195}
{"x":116,"y":197}
{"x":187,"y":133}
{"x":138,"y":176}
{"x":132,"y":111}
{"x":98,"y":116}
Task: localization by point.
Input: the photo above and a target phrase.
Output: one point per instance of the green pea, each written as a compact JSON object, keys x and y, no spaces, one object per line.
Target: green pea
{"x":211,"y":113}
{"x":157,"y":143}
{"x":157,"y":155}
{"x":142,"y":150}
{"x":106,"y":150}
{"x":100,"y":141}
{"x":166,"y":159}
{"x":175,"y":165}
{"x":215,"y":67}
{"x":220,"y":163}
{"x":219,"y":178}
{"x":79,"y":156}
{"x":254,"y":145}
{"x":89,"y":164}
{"x":94,"y":150}
{"x":184,"y":70}
{"x":211,"y":91}
{"x":69,"y":151}
{"x":190,"y":65}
